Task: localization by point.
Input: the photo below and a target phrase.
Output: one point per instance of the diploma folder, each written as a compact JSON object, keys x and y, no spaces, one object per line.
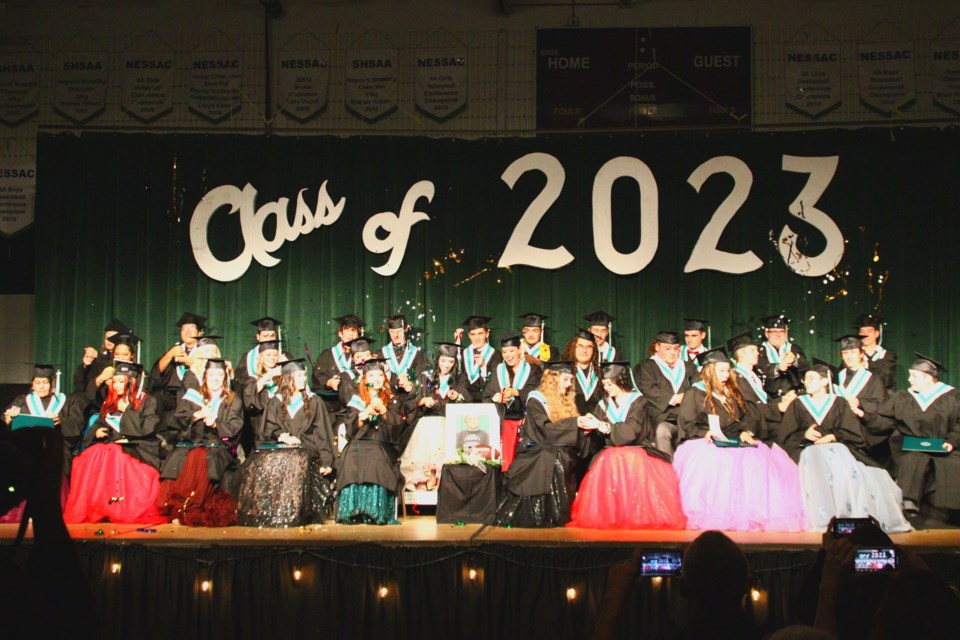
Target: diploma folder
{"x":733,"y":442}
{"x":925,"y":445}
{"x":23,"y":421}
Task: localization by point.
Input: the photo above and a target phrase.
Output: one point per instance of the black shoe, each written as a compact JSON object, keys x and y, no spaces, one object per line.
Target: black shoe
{"x":916,"y":520}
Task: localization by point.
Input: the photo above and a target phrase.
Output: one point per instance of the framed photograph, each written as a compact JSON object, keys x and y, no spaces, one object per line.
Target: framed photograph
{"x":473,"y":426}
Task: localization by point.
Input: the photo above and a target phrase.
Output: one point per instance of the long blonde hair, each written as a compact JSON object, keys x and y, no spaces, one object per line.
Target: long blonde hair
{"x":558,"y":406}
{"x":730,"y":392}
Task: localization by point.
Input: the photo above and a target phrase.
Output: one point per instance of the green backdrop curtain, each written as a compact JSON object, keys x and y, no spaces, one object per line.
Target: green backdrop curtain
{"x":113,"y":214}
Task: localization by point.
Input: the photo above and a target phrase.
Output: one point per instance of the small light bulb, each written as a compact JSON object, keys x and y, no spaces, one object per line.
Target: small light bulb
{"x":206,"y":586}
{"x":755,"y":595}
{"x":297,"y":574}
{"x":656,"y":580}
{"x":571,"y":594}
{"x":115,"y":567}
{"x":384,"y":592}
{"x":472,"y":574}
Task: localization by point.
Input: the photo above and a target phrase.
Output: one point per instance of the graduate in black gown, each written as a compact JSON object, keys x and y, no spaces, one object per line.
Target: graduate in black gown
{"x":582,"y":350}
{"x":285,"y":481}
{"x":167,"y":373}
{"x":746,"y":356}
{"x":125,"y":349}
{"x":261,"y":382}
{"x":368,"y":470}
{"x":267,"y":331}
{"x":928,"y":409}
{"x":663,"y":379}
{"x":839,"y":478}
{"x":94,"y":361}
{"x":540,"y":484}
{"x":334,"y":364}
{"x":600,"y":324}
{"x":478,"y":359}
{"x":880,"y":361}
{"x":210,"y":420}
{"x":533,"y":330}
{"x":864,"y":391}
{"x":404,"y":360}
{"x":695,"y":340}
{"x":508,"y":388}
{"x":782,"y":361}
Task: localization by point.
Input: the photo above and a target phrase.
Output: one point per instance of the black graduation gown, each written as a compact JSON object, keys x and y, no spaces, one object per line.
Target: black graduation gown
{"x":902,"y":413}
{"x":768,"y":409}
{"x":241,"y":372}
{"x":420,"y":364}
{"x":219,"y":454}
{"x":593,"y":441}
{"x":658,"y":390}
{"x":139,"y":428}
{"x":325,"y":368}
{"x":542,"y":443}
{"x":694,"y":422}
{"x":637,"y":429}
{"x":514,"y":410}
{"x":372,"y":454}
{"x":71,"y":423}
{"x":778,"y":383}
{"x":83,"y":376}
{"x":839,"y":420}
{"x":885,"y":366}
{"x":871,"y":396}
{"x":312,"y":427}
{"x":476,"y":386}
{"x":427,"y":387}
{"x":254,"y":402}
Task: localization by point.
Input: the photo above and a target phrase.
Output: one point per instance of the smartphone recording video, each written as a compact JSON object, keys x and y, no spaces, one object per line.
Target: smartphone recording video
{"x":661,"y":562}
{"x":883,"y":559}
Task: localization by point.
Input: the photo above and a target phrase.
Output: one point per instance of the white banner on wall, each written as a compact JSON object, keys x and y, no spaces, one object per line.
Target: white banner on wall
{"x":440,"y":81}
{"x":215,"y":81}
{"x":19,"y":88}
{"x":887,"y":74}
{"x":371,"y":81}
{"x":303,"y":82}
{"x":147,"y":84}
{"x":945,"y":58}
{"x":18,"y":192}
{"x":81,"y":85}
{"x":813,"y":79}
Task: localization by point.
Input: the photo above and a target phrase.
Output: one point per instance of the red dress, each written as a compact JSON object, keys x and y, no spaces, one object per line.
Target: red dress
{"x":630,"y":485}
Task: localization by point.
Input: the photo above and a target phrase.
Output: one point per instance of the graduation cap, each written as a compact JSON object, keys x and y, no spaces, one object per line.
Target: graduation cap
{"x":740,"y":341}
{"x":203,"y":341}
{"x":448,"y":349}
{"x":268,"y":345}
{"x":350,"y":320}
{"x":374,"y":364}
{"x":44,"y":371}
{"x":359,"y":345}
{"x":266,"y":323}
{"x":216,"y":363}
{"x":692,"y":324}
{"x":116,"y":325}
{"x":779,"y":321}
{"x":583,"y":334}
{"x":532,"y":319}
{"x":396,"y":322}
{"x":560,"y":366}
{"x":129,"y":369}
{"x":927,"y":365}
{"x":191,"y":318}
{"x":823,"y":368}
{"x":713,"y":356}
{"x":512,"y":339}
{"x":125,"y":337}
{"x":867,"y":320}
{"x":477,"y":322}
{"x":599,"y":318}
{"x":292,"y":366}
{"x":667,"y":337}
{"x":614,"y":369}
{"x":849,"y":341}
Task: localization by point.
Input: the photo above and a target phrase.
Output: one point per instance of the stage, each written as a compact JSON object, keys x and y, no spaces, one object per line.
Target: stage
{"x":415,"y":579}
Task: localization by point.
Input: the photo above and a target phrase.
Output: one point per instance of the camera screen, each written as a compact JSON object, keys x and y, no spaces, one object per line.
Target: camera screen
{"x":875,"y":560}
{"x":662,"y":562}
{"x":845,"y":526}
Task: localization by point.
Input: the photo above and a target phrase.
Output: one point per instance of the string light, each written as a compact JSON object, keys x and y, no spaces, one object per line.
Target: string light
{"x":383,"y":592}
{"x":755,"y":595}
{"x":472,"y":574}
{"x":657,"y":580}
{"x":115,"y":568}
{"x":297,"y":574}
{"x":206,"y":586}
{"x":571,"y":594}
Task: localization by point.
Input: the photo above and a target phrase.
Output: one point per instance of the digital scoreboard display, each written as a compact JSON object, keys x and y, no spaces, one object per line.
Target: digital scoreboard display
{"x":644,"y":78}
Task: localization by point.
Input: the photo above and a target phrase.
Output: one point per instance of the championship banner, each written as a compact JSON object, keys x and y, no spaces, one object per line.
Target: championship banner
{"x":19,"y":87}
{"x":371,"y":82}
{"x":18,"y":191}
{"x":629,"y":78}
{"x":303,"y":82}
{"x":887,"y":75}
{"x":147,"y":84}
{"x":813,"y":77}
{"x":81,"y":85}
{"x":945,"y":59}
{"x":215,"y":79}
{"x":440,"y":81}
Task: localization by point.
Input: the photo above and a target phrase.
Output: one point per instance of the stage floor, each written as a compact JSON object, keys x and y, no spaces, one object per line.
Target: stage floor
{"x":424,"y":531}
